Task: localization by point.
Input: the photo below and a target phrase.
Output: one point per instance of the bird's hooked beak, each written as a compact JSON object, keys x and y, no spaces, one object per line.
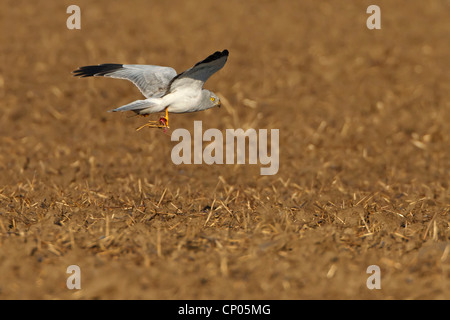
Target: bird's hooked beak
{"x":219,"y":104}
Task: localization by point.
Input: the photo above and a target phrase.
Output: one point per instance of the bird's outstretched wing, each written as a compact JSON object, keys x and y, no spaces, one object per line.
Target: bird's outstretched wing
{"x":196,"y":76}
{"x":152,"y":81}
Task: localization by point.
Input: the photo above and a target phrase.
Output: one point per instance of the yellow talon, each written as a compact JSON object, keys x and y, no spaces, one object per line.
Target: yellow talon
{"x":162,"y":123}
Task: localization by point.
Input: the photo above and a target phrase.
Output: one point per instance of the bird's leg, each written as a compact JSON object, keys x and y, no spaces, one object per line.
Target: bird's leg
{"x":163,"y":122}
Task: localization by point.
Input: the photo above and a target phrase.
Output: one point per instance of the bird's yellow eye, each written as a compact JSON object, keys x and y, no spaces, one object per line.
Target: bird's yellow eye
{"x":213,"y":99}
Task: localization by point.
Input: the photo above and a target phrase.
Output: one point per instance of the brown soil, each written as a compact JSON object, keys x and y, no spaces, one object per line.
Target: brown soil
{"x":364,"y":153}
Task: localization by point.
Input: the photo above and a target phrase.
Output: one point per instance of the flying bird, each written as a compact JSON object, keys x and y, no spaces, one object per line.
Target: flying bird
{"x":164,"y":89}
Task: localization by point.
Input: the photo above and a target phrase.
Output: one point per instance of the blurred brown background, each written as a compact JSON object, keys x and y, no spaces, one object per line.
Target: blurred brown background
{"x":364,"y":153}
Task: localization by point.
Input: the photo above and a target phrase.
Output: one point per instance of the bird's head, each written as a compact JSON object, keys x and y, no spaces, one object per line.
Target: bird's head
{"x":215,"y":100}
{"x":210,"y":100}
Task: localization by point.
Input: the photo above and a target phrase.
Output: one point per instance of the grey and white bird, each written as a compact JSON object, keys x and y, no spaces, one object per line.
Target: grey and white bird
{"x":164,"y":89}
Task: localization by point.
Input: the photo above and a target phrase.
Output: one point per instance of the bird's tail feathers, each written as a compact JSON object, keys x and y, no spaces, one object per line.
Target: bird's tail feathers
{"x":150,"y":105}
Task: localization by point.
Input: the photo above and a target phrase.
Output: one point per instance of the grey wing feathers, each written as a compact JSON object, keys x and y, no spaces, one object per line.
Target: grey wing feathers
{"x":152,"y":81}
{"x":200,"y":72}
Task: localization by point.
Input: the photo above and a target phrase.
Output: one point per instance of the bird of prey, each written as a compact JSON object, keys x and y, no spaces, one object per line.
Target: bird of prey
{"x":164,"y":89}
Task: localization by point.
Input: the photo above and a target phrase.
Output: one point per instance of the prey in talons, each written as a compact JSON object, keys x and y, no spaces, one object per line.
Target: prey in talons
{"x":162,"y":123}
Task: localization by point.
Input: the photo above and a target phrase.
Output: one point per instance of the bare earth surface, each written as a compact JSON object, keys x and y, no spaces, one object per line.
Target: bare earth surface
{"x":364,"y":178}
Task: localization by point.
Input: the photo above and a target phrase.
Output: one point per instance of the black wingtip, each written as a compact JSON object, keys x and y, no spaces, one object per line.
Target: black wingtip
{"x":216,"y":55}
{"x":97,"y":70}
